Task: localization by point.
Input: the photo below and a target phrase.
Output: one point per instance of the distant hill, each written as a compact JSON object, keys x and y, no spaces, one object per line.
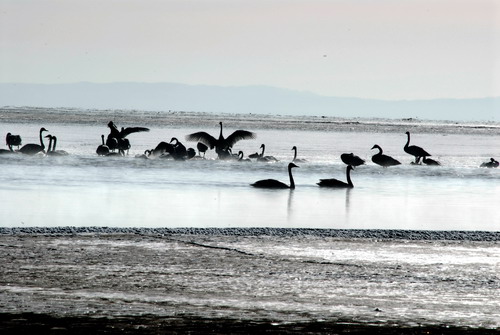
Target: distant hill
{"x":247,"y":99}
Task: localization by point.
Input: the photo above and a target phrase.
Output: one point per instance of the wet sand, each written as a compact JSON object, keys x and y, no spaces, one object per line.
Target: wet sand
{"x":132,"y":283}
{"x":150,"y":324}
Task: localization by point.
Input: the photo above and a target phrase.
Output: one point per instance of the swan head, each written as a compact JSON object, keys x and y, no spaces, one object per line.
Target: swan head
{"x":48,"y":136}
{"x":174,"y":139}
{"x":376,"y":146}
{"x":262,"y":145}
{"x":294,"y":148}
{"x":43,"y":129}
{"x":292,"y":165}
{"x":407,"y":133}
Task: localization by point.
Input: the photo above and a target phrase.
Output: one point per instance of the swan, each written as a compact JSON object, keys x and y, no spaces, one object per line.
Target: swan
{"x":32,"y":148}
{"x":338,"y":183}
{"x":383,"y":160}
{"x":261,"y":158}
{"x":191,"y":153}
{"x":51,"y":150}
{"x":351,"y":159}
{"x":414,"y":150}
{"x":116,"y":138}
{"x":221,"y":144}
{"x":57,"y":152}
{"x":102,"y":150}
{"x":123,"y":145}
{"x":13,"y":141}
{"x":180,"y":151}
{"x":201,"y":148}
{"x":295,"y":159}
{"x":429,"y":161}
{"x":273,"y":183}
{"x":124,"y":132}
{"x":240,"y":157}
{"x":145,"y":155}
{"x":6,"y":152}
{"x":112,"y":143}
{"x":491,"y":164}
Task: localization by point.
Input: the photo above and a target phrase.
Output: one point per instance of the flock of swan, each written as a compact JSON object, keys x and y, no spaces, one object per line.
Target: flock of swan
{"x":116,"y":144}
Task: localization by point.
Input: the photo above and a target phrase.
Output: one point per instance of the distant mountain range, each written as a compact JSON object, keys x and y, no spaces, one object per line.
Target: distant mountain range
{"x":241,"y":100}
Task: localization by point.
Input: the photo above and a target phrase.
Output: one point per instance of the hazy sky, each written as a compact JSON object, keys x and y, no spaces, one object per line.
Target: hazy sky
{"x":386,"y":49}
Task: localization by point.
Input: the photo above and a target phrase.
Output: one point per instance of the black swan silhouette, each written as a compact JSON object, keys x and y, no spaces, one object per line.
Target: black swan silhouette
{"x":338,"y":183}
{"x":383,"y":160}
{"x":273,"y":183}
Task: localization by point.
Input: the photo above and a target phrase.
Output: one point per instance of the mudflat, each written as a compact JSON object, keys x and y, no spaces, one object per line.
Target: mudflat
{"x":133,"y":283}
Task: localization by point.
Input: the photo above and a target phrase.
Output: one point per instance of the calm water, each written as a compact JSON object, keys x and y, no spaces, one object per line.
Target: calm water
{"x":85,"y":190}
{"x":291,"y":276}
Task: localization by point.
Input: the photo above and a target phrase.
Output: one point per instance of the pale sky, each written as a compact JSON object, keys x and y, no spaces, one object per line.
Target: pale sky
{"x":383,"y":49}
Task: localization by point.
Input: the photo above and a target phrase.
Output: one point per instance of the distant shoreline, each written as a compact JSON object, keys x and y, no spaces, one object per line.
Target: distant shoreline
{"x":241,"y":99}
{"x":41,"y":115}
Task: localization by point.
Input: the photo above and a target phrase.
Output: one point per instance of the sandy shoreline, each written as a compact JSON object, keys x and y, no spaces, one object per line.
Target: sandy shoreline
{"x":132,"y":283}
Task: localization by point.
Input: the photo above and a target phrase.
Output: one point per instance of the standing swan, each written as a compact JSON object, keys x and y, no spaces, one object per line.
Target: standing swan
{"x":414,"y":150}
{"x":383,"y":160}
{"x":338,"y":183}
{"x":32,"y":148}
{"x":273,"y":183}
{"x":13,"y":141}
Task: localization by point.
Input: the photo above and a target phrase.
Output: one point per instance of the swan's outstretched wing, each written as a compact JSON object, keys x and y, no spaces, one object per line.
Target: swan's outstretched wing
{"x":239,"y":135}
{"x":202,"y":137}
{"x":130,"y":130}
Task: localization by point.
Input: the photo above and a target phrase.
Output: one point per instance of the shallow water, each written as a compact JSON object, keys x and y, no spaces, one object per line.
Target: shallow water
{"x":85,"y":190}
{"x":394,"y":262}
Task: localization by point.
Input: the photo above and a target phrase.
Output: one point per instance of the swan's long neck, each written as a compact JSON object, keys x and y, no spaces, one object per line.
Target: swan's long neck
{"x":263,"y":149}
{"x":50,"y":145}
{"x":379,"y":150}
{"x":408,"y":141}
{"x":292,"y":182}
{"x":220,"y":135}
{"x":102,"y":137}
{"x":294,"y":153}
{"x":348,"y":173}
{"x":41,"y":140}
{"x":54,"y":143}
